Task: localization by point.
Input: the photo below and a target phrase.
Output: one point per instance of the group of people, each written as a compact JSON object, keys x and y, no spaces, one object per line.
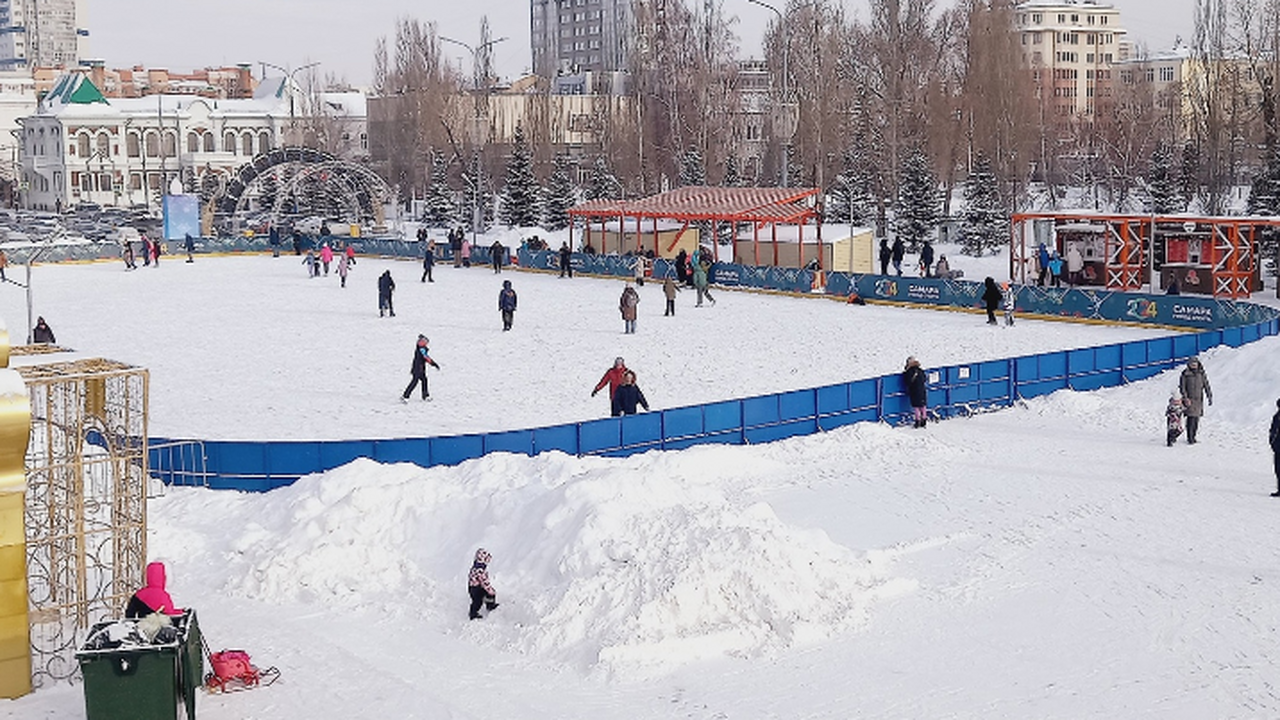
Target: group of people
{"x":895,"y":254}
{"x":625,"y":397}
{"x":1049,"y":266}
{"x":151,"y":252}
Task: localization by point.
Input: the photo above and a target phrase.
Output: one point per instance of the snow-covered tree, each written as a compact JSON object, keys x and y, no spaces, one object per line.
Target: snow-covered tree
{"x":1189,"y":174}
{"x":559,"y":197}
{"x":849,"y":198}
{"x":476,"y":191}
{"x":1162,"y":185}
{"x":985,"y":226}
{"x":521,"y":194}
{"x":602,"y":185}
{"x":692,"y":169}
{"x":733,"y":172}
{"x":1264,"y":193}
{"x":918,"y":209}
{"x":441,"y":211}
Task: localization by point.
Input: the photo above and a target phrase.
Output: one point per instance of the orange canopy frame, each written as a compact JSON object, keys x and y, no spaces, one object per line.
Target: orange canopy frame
{"x":758,"y":206}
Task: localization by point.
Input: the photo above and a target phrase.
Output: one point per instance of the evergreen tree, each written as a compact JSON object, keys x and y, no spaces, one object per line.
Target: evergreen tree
{"x":441,"y":210}
{"x":1189,"y":174}
{"x":795,"y":173}
{"x":476,"y":191}
{"x":985,"y":225}
{"x":918,"y":209}
{"x":560,"y":196}
{"x":692,"y":170}
{"x":603,"y":185}
{"x":733,"y":172}
{"x":521,"y":194}
{"x":1161,"y":183}
{"x":1264,"y":193}
{"x":849,"y":199}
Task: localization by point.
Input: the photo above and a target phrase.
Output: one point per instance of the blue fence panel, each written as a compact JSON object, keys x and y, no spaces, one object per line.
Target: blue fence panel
{"x":340,"y":452}
{"x":1108,"y":357}
{"x":722,"y":416}
{"x":831,"y":422}
{"x":797,"y":404}
{"x":236,"y":458}
{"x":781,"y":431}
{"x":1135,"y":374}
{"x":645,"y":429}
{"x":833,"y":399}
{"x":1133,"y":353}
{"x":456,"y":449}
{"x":404,"y":450}
{"x":1027,"y":368}
{"x":1080,"y":361}
{"x":1232,"y":336}
{"x":718,"y":439}
{"x":1184,"y":346}
{"x":864,"y":394}
{"x":1052,"y":365}
{"x":761,"y":410}
{"x":557,"y":437}
{"x":598,"y":435}
{"x":514,"y":441}
{"x":1208,"y":340}
{"x":682,"y":422}
{"x":993,"y":370}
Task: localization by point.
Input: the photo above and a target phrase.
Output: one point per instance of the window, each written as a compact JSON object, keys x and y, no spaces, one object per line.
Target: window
{"x":193,"y":142}
{"x":246,"y":144}
{"x":131,"y":145}
{"x":1036,"y":38}
{"x":104,"y":144}
{"x":208,"y":142}
{"x":1037,"y":18}
{"x":1088,"y":74}
{"x":1089,"y":19}
{"x":82,"y":144}
{"x":1151,"y":75}
{"x":1166,"y":74}
{"x":135,"y":181}
{"x":1107,"y":58}
{"x":1088,"y":57}
{"x":104,"y":182}
{"x":364,"y":141}
{"x":170,"y":144}
{"x":86,"y":182}
{"x":264,"y":141}
{"x":153,"y":145}
{"x":1075,"y":18}
{"x":229,"y":143}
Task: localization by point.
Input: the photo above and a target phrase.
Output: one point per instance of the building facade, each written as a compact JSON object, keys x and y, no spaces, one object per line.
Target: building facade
{"x":221,"y":83}
{"x":581,"y":45}
{"x":80,"y":146}
{"x":1070,"y":47}
{"x":42,"y":33}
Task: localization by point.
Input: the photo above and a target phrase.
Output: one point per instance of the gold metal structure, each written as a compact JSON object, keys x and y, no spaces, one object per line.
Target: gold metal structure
{"x":15,"y":428}
{"x":86,"y":471}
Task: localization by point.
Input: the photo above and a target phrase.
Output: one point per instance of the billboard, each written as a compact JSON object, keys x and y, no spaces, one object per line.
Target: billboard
{"x":181,"y":216}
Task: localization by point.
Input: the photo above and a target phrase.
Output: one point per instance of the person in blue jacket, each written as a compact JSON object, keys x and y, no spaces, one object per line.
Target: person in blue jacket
{"x":507,"y":304}
{"x":628,"y":396}
{"x":421,"y":359}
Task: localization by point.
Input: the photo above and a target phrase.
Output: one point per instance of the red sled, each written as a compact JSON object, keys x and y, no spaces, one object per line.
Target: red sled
{"x":233,"y":671}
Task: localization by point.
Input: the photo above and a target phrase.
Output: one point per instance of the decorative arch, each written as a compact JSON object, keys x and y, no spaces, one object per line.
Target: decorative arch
{"x":305,"y":177}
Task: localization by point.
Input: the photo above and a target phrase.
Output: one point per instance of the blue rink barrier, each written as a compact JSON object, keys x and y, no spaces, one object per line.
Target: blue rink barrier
{"x":954,"y":390}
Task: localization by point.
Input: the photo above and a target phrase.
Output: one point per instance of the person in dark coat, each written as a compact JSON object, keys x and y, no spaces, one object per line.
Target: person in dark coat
{"x":566,"y":260}
{"x":496,"y":251}
{"x":1275,"y":446}
{"x":273,"y":239}
{"x":1174,"y":288}
{"x":428,"y":263}
{"x":507,"y":304}
{"x":455,"y":246}
{"x":386,"y":286}
{"x":421,"y":359}
{"x":917,"y":383}
{"x":682,"y":267}
{"x":926,"y":258}
{"x":42,"y":334}
{"x":898,"y":251}
{"x":1194,"y":385}
{"x":190,"y":245}
{"x":886,"y":254}
{"x":628,"y":396}
{"x":627,"y":305}
{"x":992,"y":297}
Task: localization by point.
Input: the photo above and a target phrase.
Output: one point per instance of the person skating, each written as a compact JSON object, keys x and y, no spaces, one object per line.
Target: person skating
{"x":157,"y":249}
{"x":507,"y":304}
{"x":273,"y":239}
{"x":1173,"y":419}
{"x":566,"y":260}
{"x":1194,"y":386}
{"x":326,"y":257}
{"x":628,"y":305}
{"x":628,"y":396}
{"x":344,"y":267}
{"x":309,"y":260}
{"x":495,"y":255}
{"x":992,"y":297}
{"x":942,"y":269}
{"x":1010,"y":304}
{"x":700,"y":284}
{"x":479,"y":587}
{"x":190,"y":245}
{"x":1274,"y":438}
{"x":612,"y":377}
{"x":129,"y":262}
{"x":886,"y":254}
{"x":1042,"y":264}
{"x":899,"y":250}
{"x":428,"y":263}
{"x":917,"y":382}
{"x":1055,"y":269}
{"x":421,"y":359}
{"x":146,"y":250}
{"x":466,"y":252}
{"x":640,"y":266}
{"x":669,"y":289}
{"x":350,"y":252}
{"x":682,"y":267}
{"x":926,"y":258}
{"x":455,"y":246}
{"x":42,"y":334}
{"x":386,"y":287}
{"x":152,"y":597}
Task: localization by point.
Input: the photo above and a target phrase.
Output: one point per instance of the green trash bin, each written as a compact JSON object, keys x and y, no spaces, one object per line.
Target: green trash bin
{"x":144,"y":682}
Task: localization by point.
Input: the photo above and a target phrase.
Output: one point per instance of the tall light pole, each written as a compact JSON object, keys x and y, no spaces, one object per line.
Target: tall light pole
{"x":481,"y":107}
{"x":288,"y":74}
{"x":787,"y":128}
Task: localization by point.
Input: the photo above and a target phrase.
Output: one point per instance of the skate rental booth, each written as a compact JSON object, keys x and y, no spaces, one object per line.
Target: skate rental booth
{"x":620,"y":226}
{"x":1215,"y":256}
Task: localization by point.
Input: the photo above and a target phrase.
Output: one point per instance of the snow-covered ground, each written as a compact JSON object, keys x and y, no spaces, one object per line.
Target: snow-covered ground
{"x":250,"y":348}
{"x":1054,"y":560}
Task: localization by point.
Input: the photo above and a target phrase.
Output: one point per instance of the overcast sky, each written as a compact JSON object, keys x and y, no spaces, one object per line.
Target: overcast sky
{"x":186,"y":34}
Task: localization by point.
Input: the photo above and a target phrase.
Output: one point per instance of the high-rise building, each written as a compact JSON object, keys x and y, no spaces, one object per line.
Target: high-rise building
{"x":41,"y":33}
{"x":1070,"y":47}
{"x":575,"y":40}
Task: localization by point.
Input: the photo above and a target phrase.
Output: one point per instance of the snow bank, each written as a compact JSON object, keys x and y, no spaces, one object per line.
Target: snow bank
{"x":598,"y":565}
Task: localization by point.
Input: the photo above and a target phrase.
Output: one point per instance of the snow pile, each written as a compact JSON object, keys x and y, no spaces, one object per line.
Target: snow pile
{"x":597,"y":564}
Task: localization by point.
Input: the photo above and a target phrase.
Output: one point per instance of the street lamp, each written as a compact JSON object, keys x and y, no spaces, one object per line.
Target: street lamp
{"x":787,"y":129}
{"x":288,"y":74}
{"x":476,"y":73}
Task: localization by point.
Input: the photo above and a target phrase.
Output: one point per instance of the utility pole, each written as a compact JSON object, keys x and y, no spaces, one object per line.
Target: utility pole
{"x":785,"y":118}
{"x":480,"y":79}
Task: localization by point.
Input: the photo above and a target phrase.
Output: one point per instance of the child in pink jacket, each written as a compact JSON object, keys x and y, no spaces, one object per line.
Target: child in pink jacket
{"x":478,"y":586}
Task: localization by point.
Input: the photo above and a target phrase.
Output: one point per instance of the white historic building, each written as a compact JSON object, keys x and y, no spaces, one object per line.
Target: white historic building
{"x":82,"y":147}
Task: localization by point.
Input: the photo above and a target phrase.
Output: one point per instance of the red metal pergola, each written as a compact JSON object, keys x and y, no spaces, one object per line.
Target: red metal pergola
{"x":698,"y":203}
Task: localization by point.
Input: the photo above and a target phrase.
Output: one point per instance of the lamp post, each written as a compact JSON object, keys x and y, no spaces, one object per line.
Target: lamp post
{"x":288,"y":74}
{"x":786,"y":89}
{"x":476,"y":72}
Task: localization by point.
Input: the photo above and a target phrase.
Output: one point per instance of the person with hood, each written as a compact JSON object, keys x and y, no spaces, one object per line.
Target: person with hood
{"x":350,"y":252}
{"x":640,"y":266}
{"x":326,"y":257}
{"x":157,"y":248}
{"x":421,"y":359}
{"x":1174,"y":288}
{"x":628,"y":305}
{"x":42,"y":334}
{"x":313,"y":266}
{"x":153,"y":597}
{"x":682,"y":267}
{"x":612,"y":377}
{"x":700,"y":281}
{"x":273,"y":239}
{"x":898,"y":251}
{"x":344,"y":267}
{"x":386,"y":286}
{"x":479,"y":587}
{"x":455,"y":246}
{"x":917,"y":383}
{"x":466,"y":252}
{"x":1042,"y":264}
{"x":1055,"y":269}
{"x":190,"y":245}
{"x":886,"y":254}
{"x":146,"y":250}
{"x":1173,"y":419}
{"x":496,"y":251}
{"x":507,"y":304}
{"x":943,"y":269}
{"x":1075,"y":265}
{"x":129,"y":263}
{"x":628,"y":396}
{"x":669,"y":290}
{"x":926,"y":259}
{"x":566,"y":260}
{"x":1194,"y":386}
{"x":992,"y":297}
{"x":428,"y":262}
{"x":1275,"y":446}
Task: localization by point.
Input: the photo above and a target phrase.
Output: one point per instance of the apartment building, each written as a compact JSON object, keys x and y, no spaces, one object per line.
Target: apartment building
{"x":42,"y":32}
{"x":1071,"y":47}
{"x":581,"y":46}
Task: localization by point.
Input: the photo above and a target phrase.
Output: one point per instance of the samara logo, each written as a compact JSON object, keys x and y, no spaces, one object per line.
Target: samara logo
{"x":1142,"y":309}
{"x":887,"y":288}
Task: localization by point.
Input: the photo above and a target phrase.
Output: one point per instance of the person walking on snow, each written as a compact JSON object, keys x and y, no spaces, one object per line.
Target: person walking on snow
{"x":190,"y":244}
{"x":386,"y":286}
{"x":886,"y":254}
{"x":479,"y":587}
{"x":898,"y":251}
{"x":1194,"y":386}
{"x":326,"y":257}
{"x":926,"y":259}
{"x":495,"y":252}
{"x":992,"y":297}
{"x":310,"y":261}
{"x":566,"y":260}
{"x":669,"y":289}
{"x":350,"y":252}
{"x":428,"y":263}
{"x":507,"y":304}
{"x":152,"y":597}
{"x":917,"y":383}
{"x":146,"y":251}
{"x":466,"y":252}
{"x":421,"y":359}
{"x":1275,"y":446}
{"x":156,"y":249}
{"x":344,"y":267}
{"x":612,"y":377}
{"x":1010,"y":304}
{"x":628,"y":396}
{"x":628,"y":305}
{"x":700,"y":283}
{"x":1173,"y":419}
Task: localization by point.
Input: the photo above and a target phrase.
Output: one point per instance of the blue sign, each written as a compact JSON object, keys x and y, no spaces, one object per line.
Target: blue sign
{"x":181,"y":216}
